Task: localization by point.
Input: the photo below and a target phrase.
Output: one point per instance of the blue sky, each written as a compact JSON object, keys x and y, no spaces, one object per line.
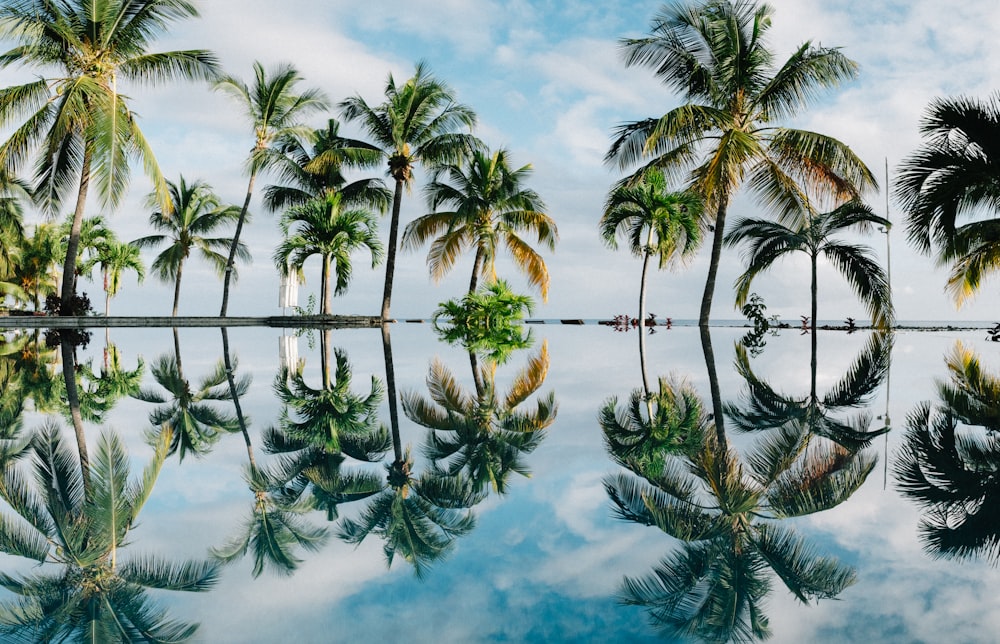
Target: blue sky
{"x":547,"y":82}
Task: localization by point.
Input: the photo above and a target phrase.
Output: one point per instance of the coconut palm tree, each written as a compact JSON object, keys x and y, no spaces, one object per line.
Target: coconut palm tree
{"x":482,"y":433}
{"x":323,"y":227}
{"x":487,"y":206}
{"x":814,"y":234}
{"x":97,"y":594}
{"x":275,"y":112}
{"x":196,"y":213}
{"x":656,"y":223}
{"x":83,"y":125}
{"x":311,"y":167}
{"x":724,"y":133}
{"x":948,"y":190}
{"x":727,"y":512}
{"x":416,"y":124}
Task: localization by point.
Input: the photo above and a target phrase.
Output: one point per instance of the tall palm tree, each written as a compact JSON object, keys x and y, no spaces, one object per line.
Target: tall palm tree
{"x":814,"y":234}
{"x":314,"y":166}
{"x":82,"y":123}
{"x":727,"y":512}
{"x":949,"y":191}
{"x":950,"y":461}
{"x":80,"y":526}
{"x":487,"y":207}
{"x":483,"y":433}
{"x":196,"y":213}
{"x":715,"y":54}
{"x":417,"y":123}
{"x":655,"y":222}
{"x":275,"y":112}
{"x":114,"y":259}
{"x":323,"y":227}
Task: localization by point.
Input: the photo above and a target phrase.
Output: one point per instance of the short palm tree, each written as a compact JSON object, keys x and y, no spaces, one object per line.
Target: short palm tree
{"x":417,"y":123}
{"x":95,"y":235}
{"x":486,"y":207}
{"x":196,"y":213}
{"x":96,"y":595}
{"x":948,"y":188}
{"x":950,"y":462}
{"x":14,"y":193}
{"x":323,"y":227}
{"x":275,"y":112}
{"x":724,"y":133}
{"x":114,"y":259}
{"x":36,"y":273}
{"x":815,"y":233}
{"x":82,"y":123}
{"x":313,"y":166}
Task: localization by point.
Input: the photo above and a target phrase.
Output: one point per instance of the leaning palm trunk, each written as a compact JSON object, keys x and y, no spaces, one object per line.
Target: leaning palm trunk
{"x":234,"y":392}
{"x":73,"y":397}
{"x":177,"y":287}
{"x":642,"y":322}
{"x":73,"y":244}
{"x":713,"y":265}
{"x":230,"y":263}
{"x":477,"y":267}
{"x":390,"y":258}
{"x":390,"y":385}
{"x":713,"y":383}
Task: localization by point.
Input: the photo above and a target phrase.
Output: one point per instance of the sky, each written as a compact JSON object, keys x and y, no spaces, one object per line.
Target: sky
{"x":548,"y":83}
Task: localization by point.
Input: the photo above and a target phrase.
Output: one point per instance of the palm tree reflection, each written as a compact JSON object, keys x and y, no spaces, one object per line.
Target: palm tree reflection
{"x":949,"y":463}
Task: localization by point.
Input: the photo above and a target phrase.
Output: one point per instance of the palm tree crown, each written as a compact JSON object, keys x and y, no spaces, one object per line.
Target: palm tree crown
{"x":715,"y":54}
{"x":84,"y":126}
{"x":417,"y":123}
{"x":488,"y":208}
{"x":953,"y":177}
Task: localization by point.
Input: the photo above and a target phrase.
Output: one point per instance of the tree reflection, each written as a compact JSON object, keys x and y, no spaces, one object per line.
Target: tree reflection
{"x":949,"y":463}
{"x":726,"y":509}
{"x":417,"y":516}
{"x":95,"y":595}
{"x":483,"y":434}
{"x":274,"y":528}
{"x":764,"y":408}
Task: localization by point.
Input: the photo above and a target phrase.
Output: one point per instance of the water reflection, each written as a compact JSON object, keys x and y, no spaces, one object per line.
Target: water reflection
{"x":725,"y":506}
{"x":950,"y":462}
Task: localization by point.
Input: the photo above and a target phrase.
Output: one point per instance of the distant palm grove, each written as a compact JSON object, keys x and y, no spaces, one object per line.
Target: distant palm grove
{"x":73,"y":136}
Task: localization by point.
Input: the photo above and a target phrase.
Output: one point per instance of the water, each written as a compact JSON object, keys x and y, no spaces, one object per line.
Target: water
{"x":546,"y":560}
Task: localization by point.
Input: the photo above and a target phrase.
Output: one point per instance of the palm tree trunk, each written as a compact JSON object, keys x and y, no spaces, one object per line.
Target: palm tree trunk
{"x":236,"y":242}
{"x":177,"y":354}
{"x":713,"y":384}
{"x":713,"y":266}
{"x":815,"y":308}
{"x":107,"y":293}
{"x":390,"y":257}
{"x":177,"y":287}
{"x":324,"y":356}
{"x":73,"y":397}
{"x":231,"y":377}
{"x":324,"y":286}
{"x":642,"y":323}
{"x":390,"y":385}
{"x":73,"y":245}
{"x":477,"y":267}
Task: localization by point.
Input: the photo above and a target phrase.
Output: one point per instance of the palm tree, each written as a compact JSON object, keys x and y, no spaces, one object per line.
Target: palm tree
{"x":489,"y":207}
{"x":322,"y":227}
{"x":311,"y":167}
{"x":655,"y":222}
{"x":950,"y":462}
{"x":275,"y":112}
{"x":101,"y":391}
{"x":483,"y":433}
{"x":417,"y":123}
{"x":727,"y":512}
{"x":35,"y":272}
{"x":13,"y":193}
{"x":94,"y":237}
{"x":82,"y":123}
{"x":81,"y":526}
{"x":715,"y":54}
{"x":814,"y":234}
{"x":948,"y":189}
{"x":114,"y":259}
{"x":196,"y":212}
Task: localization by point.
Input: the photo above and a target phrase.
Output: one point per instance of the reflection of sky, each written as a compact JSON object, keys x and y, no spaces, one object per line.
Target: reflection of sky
{"x":545,"y":561}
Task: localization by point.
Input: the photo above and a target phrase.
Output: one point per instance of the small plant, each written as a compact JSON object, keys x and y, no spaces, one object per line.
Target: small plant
{"x":762,"y":325}
{"x":487,"y":321}
{"x":851,"y":325}
{"x":993,"y":335}
{"x":77,"y":305}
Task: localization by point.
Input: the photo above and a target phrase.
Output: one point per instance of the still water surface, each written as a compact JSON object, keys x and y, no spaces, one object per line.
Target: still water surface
{"x":543,"y":559}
